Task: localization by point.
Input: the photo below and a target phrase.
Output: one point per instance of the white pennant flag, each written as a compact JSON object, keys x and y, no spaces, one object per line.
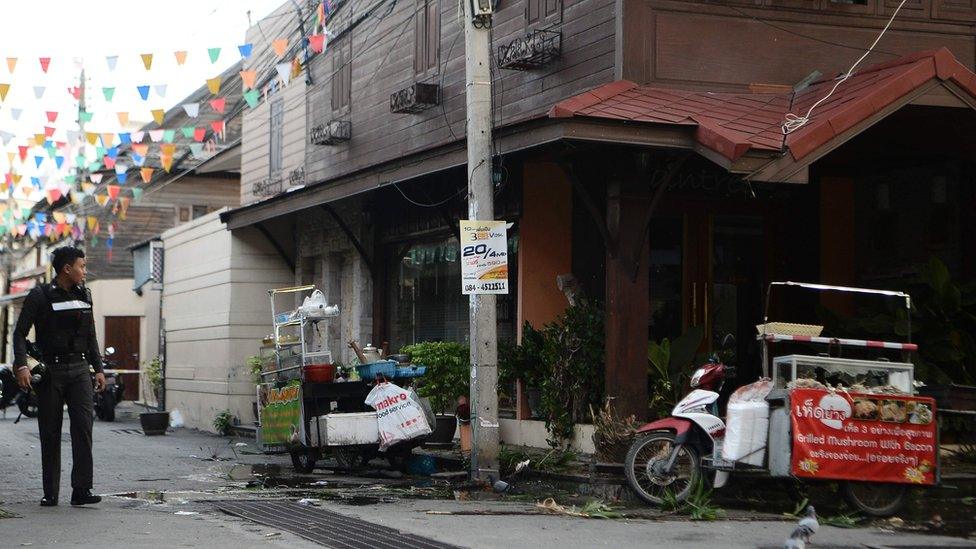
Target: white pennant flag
{"x":121,"y":168}
{"x":161,"y":90}
{"x":138,"y":136}
{"x":39,"y":91}
{"x":73,"y":136}
{"x":71,"y":218}
{"x":15,"y":113}
{"x":197,"y":150}
{"x":192,"y":109}
{"x":111,"y":60}
{"x":6,"y":136}
{"x":156,"y":135}
{"x":96,"y":178}
{"x":284,"y":71}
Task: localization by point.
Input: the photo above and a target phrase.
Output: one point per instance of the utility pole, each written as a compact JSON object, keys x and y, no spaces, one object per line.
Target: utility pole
{"x":481,"y":206}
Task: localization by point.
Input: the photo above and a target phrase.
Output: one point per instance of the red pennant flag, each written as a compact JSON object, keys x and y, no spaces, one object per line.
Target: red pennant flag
{"x":23,"y":152}
{"x":113,"y":191}
{"x":75,"y":92}
{"x":45,"y":63}
{"x":53,"y":195}
{"x":108,"y":161}
{"x":317,"y":41}
{"x":198,"y":135}
{"x":140,"y":148}
{"x":48,"y":131}
{"x":218,"y":126}
{"x":52,"y":116}
{"x":218,"y":104}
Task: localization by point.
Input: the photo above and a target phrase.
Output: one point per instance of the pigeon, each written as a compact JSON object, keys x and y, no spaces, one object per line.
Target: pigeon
{"x":804,"y":530}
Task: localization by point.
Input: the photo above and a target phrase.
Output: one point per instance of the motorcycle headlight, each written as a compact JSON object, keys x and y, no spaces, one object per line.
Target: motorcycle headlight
{"x":696,"y":378}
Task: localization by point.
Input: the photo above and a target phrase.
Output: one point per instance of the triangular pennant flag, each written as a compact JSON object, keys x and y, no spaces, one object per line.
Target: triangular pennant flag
{"x":121,"y":177}
{"x":147,"y":60}
{"x":4,"y":88}
{"x":113,"y":191}
{"x":136,"y":193}
{"x":73,"y":136}
{"x":23,"y":152}
{"x":108,"y":139}
{"x":59,"y":217}
{"x":94,"y":167}
{"x":112,"y":60}
{"x":77,"y":198}
{"x":248,"y":77}
{"x":167,"y":149}
{"x":138,"y":160}
{"x":88,"y":188}
{"x":52,"y":116}
{"x":70,"y":180}
{"x":245,"y":50}
{"x":59,"y":161}
{"x":112,"y":152}
{"x":102,"y":199}
{"x":167,"y":163}
{"x":214,"y":85}
{"x":161,"y":90}
{"x":147,"y":174}
{"x":138,"y":136}
{"x":169,"y":135}
{"x":199,"y":134}
{"x":45,"y":63}
{"x":92,"y":220}
{"x":143,"y":92}
{"x":317,"y":42}
{"x":11,"y":63}
{"x":218,"y":104}
{"x":252,"y":97}
{"x":85,"y":116}
{"x":280,"y":45}
{"x":125,"y":138}
{"x":140,"y":149}
{"x":39,"y":91}
{"x":284,"y":72}
{"x":109,"y":162}
{"x":218,"y":126}
{"x":192,"y":109}
{"x":53,"y":195}
{"x":48,"y":131}
{"x":91,"y":137}
{"x":158,"y":115}
{"x":75,"y":92}
{"x":187,"y":131}
{"x":156,"y":135}
{"x":109,"y":93}
{"x":39,"y":139}
{"x":38,"y":160}
{"x":123,"y":118}
{"x":214,"y":54}
{"x":180,"y":57}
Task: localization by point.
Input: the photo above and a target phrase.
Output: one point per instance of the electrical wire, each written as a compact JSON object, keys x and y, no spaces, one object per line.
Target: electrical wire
{"x":794,"y":122}
{"x":421,"y":205}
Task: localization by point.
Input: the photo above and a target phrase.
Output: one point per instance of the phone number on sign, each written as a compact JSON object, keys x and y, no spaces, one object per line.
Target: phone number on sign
{"x":486,"y":287}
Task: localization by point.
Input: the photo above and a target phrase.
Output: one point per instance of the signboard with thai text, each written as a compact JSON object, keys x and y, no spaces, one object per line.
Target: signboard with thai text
{"x":484,"y":257}
{"x":869,"y":437}
{"x":280,"y":414}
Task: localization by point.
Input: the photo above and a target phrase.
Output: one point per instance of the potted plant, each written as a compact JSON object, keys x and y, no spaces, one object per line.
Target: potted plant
{"x":255,"y":365}
{"x":447,"y":379}
{"x":154,"y":422}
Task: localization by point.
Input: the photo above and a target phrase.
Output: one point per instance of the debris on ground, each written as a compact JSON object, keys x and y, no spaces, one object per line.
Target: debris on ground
{"x":593,"y":509}
{"x":186,"y":513}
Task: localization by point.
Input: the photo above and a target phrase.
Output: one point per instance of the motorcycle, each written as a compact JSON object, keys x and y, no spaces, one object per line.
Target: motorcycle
{"x":106,"y":400}
{"x":12,"y":395}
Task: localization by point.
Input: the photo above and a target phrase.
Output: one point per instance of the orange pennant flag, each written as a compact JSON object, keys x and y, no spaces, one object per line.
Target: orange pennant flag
{"x":88,"y":188}
{"x":180,"y":57}
{"x":140,"y":148}
{"x":77,"y":198}
{"x":4,"y":88}
{"x":214,"y":85}
{"x":113,"y":191}
{"x":11,"y":63}
{"x":91,"y":137}
{"x":147,"y":60}
{"x":248,"y":78}
{"x":108,"y":139}
{"x":158,"y":115}
{"x":102,"y":199}
{"x":167,"y":149}
{"x":65,"y":229}
{"x":280,"y":45}
{"x":92,"y":220}
{"x":147,"y":174}
{"x":167,"y":163}
{"x":59,"y":217}
{"x":10,"y":158}
{"x":123,"y":118}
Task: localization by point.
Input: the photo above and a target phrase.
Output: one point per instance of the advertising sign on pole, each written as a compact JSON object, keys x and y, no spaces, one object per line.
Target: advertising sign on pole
{"x":280,"y":415}
{"x":484,"y":257}
{"x":869,"y":437}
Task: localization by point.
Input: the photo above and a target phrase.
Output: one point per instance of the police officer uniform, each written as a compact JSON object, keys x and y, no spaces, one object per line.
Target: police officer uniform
{"x":64,"y":329}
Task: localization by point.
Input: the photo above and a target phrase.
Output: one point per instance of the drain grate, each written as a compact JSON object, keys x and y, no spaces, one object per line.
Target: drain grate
{"x":126,"y":431}
{"x":326,"y":527}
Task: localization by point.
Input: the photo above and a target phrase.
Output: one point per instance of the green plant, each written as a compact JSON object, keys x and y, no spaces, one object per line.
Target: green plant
{"x":448,"y":372}
{"x":223,"y":421}
{"x":698,"y":506}
{"x":669,"y":364}
{"x":153,"y":371}
{"x":841,"y":521}
{"x":254,"y":366}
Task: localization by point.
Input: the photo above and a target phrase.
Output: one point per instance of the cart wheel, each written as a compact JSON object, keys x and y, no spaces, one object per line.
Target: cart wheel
{"x":874,"y":498}
{"x":643,"y":464}
{"x":348,"y":458}
{"x":304,"y":459}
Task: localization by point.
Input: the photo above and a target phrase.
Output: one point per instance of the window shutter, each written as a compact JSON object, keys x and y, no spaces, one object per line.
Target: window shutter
{"x":433,"y":35}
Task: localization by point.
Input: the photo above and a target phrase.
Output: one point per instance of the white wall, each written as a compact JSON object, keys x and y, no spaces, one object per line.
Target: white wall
{"x":116,"y":298}
{"x":216,"y":311}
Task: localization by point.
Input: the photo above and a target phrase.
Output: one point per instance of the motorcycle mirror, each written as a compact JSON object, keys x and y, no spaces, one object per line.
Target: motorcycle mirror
{"x":728,"y":342}
{"x":109,"y":351}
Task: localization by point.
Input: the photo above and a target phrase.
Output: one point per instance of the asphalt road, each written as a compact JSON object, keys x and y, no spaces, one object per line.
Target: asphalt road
{"x":160,"y":492}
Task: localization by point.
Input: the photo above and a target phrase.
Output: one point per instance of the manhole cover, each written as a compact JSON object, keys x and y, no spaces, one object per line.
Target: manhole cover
{"x":326,"y":527}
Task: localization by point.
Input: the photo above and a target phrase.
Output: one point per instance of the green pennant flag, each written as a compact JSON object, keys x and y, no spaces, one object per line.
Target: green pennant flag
{"x":187,"y":131}
{"x":109,"y":93}
{"x":80,"y":160}
{"x":85,"y":116}
{"x":70,"y":179}
{"x":214,"y":54}
{"x":100,"y":151}
{"x":252,"y":97}
{"x":94,"y":241}
{"x":51,"y":151}
{"x":25,"y":213}
{"x":95,"y":166}
{"x":169,"y":135}
{"x":136,"y":193}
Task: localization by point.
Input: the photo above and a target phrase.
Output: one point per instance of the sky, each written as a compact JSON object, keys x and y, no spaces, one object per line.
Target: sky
{"x":76,"y":34}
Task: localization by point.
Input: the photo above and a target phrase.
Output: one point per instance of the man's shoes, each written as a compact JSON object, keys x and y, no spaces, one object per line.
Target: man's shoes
{"x":84,"y":497}
{"x":48,"y":501}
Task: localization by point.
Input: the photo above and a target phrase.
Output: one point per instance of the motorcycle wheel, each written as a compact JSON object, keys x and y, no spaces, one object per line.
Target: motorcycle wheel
{"x":655,"y":488}
{"x":874,"y":498}
{"x":28,"y":405}
{"x":303,"y":459}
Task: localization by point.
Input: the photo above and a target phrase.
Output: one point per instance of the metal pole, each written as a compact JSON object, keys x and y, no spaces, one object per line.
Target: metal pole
{"x":484,"y":344}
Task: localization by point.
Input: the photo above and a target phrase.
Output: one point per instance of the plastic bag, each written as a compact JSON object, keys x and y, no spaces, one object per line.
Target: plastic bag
{"x":753,"y":392}
{"x":398,"y":416}
{"x":315,"y":306}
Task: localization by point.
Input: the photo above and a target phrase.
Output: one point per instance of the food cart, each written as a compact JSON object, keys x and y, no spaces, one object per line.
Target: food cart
{"x":308,"y":406}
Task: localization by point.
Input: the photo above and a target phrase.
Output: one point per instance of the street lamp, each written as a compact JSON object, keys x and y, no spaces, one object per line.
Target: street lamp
{"x":481,"y":9}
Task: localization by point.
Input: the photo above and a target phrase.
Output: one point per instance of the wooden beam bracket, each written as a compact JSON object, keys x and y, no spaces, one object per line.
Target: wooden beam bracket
{"x":673,"y":170}
{"x":350,"y":235}
{"x":591,"y":207}
{"x":274,"y":244}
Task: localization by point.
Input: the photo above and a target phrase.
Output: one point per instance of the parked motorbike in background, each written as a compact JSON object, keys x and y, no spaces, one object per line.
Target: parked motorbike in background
{"x":12,"y":395}
{"x":106,"y":400}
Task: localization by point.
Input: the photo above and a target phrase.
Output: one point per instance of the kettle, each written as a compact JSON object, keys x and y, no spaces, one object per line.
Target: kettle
{"x":371,"y":354}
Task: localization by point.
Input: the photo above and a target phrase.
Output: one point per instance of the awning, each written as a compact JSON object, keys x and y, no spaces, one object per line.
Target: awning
{"x":740,"y":131}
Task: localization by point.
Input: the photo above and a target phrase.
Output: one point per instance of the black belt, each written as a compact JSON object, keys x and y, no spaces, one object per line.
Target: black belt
{"x":67,"y":358}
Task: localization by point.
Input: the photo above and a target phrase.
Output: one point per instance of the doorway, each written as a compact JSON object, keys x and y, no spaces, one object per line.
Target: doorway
{"x":122,"y":332}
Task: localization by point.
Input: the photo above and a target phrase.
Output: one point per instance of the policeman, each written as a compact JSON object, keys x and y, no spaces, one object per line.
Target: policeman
{"x":61,"y":315}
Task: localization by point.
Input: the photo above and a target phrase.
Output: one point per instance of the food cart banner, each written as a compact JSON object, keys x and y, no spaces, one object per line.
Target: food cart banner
{"x":484,"y":257}
{"x":870,"y":437}
{"x":280,"y":414}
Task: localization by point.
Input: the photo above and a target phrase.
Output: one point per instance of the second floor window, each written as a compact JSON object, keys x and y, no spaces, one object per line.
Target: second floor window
{"x":427,"y":38}
{"x":277,"y":135}
{"x":342,"y":75}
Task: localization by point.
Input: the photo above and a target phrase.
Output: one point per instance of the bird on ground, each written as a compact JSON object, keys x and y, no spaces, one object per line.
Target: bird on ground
{"x":804,"y":531}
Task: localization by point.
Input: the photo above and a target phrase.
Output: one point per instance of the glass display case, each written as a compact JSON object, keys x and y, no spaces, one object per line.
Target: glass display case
{"x":851,"y":373}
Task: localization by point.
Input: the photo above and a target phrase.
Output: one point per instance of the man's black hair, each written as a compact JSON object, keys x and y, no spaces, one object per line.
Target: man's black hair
{"x":66,"y":255}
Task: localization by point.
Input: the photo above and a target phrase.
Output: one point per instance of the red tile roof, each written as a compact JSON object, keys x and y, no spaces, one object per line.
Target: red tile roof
{"x":732,"y":124}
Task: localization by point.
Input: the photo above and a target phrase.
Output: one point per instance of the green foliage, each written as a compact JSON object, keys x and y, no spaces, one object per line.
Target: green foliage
{"x":254,"y":365}
{"x":552,"y":460}
{"x":841,"y":521}
{"x":223,"y":421}
{"x":698,"y":506}
{"x":448,"y":372}
{"x":523,"y":361}
{"x":943,"y":323}
{"x":153,"y":371}
{"x":599,"y":510}
{"x":669,"y":366}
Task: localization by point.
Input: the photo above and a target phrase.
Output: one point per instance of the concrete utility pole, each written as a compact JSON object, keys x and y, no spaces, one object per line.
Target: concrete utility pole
{"x":481,"y":206}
